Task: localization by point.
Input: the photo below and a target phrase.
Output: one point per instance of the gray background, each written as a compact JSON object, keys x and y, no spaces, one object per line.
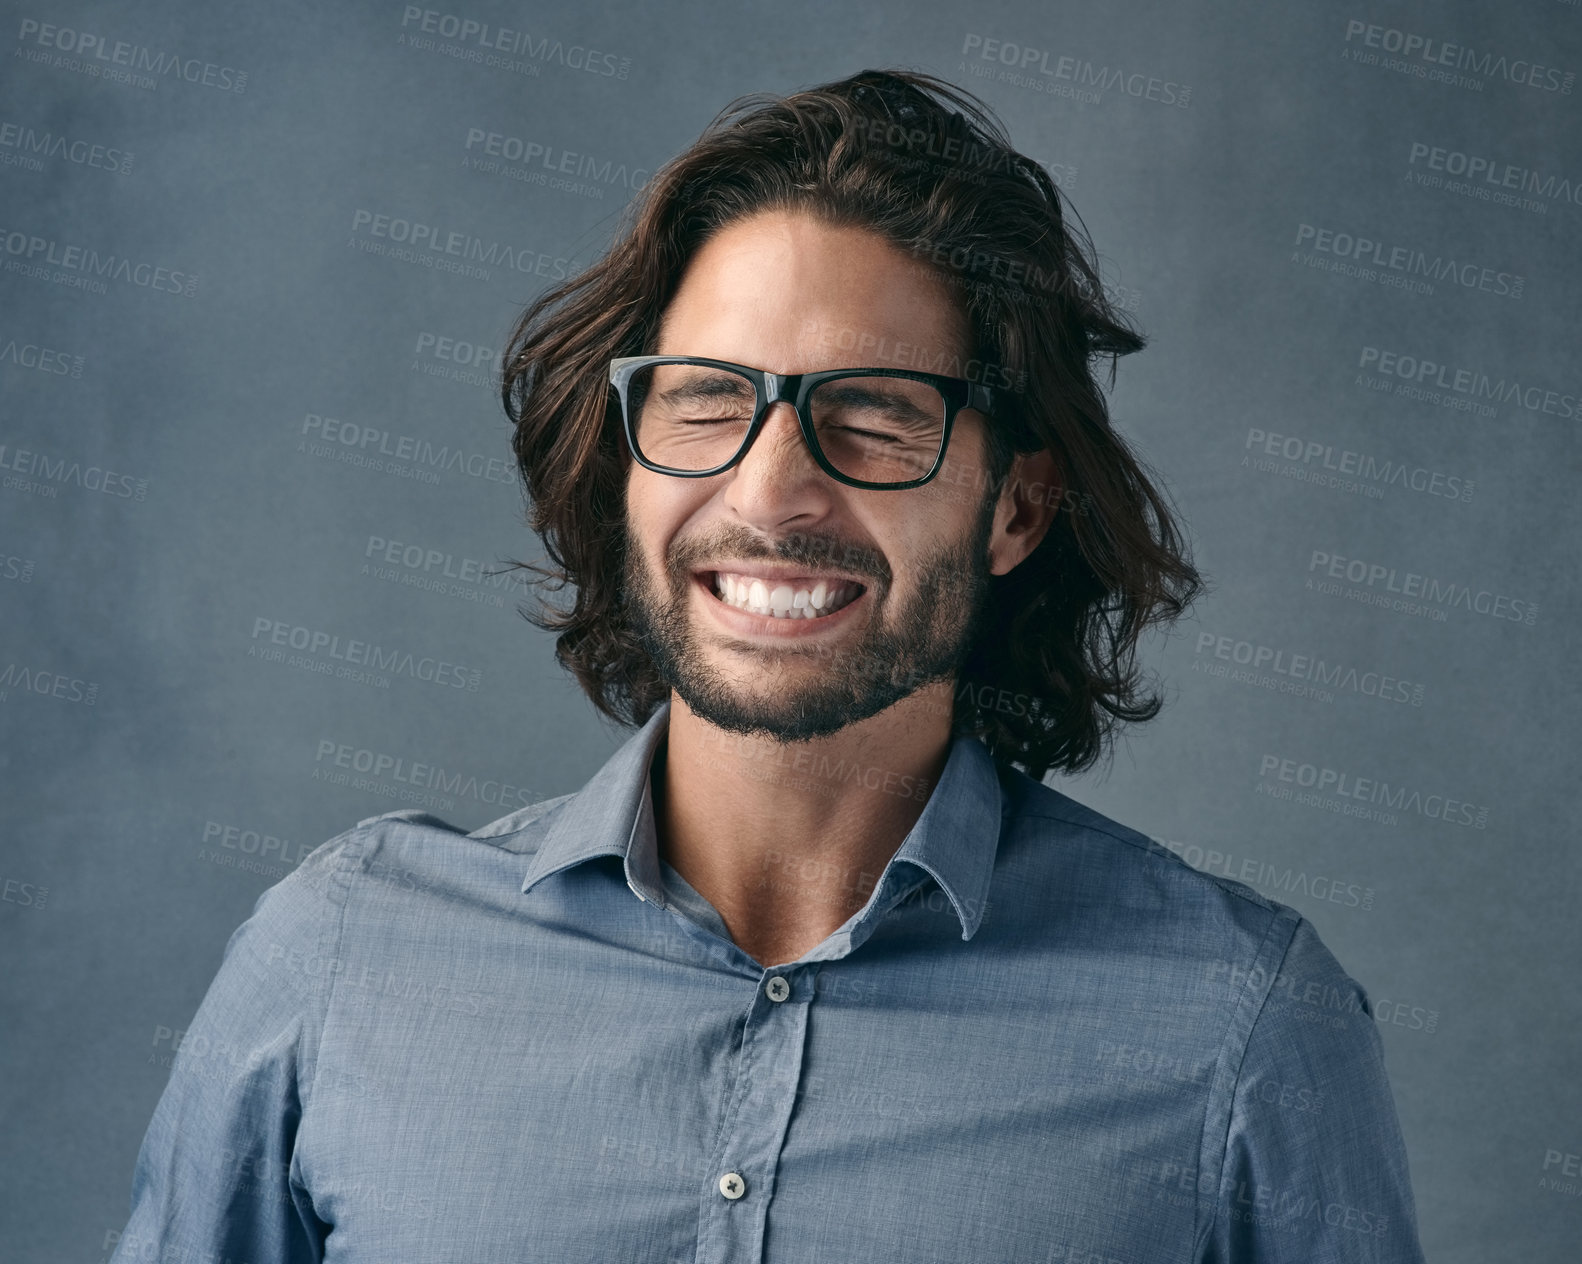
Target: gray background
{"x":160,"y":771}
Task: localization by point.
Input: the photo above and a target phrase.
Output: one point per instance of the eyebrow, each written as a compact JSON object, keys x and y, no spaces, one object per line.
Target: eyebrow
{"x":706,"y":383}
{"x":894,"y":401}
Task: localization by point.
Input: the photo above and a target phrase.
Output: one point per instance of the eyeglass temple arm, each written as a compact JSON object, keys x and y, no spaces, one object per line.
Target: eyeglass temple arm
{"x":980,"y":397}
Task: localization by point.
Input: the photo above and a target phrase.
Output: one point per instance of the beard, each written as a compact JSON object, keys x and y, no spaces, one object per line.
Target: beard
{"x":923,"y":640}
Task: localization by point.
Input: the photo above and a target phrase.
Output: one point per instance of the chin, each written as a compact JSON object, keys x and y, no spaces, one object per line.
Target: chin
{"x":803,"y":717}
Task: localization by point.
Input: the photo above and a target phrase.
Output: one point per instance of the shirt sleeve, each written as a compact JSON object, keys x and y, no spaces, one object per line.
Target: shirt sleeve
{"x":1315,"y":1168}
{"x":216,"y":1177}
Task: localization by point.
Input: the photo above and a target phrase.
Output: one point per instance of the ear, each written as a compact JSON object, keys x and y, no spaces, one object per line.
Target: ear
{"x":1034,"y":489}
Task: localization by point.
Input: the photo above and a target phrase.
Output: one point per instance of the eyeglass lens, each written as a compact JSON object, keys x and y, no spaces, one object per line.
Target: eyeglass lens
{"x":874,"y":429}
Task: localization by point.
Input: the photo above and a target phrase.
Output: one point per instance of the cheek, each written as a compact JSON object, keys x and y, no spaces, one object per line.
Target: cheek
{"x":907,"y":541}
{"x":651,"y":503}
{"x":948,"y":511}
{"x":658,"y":510}
{"x":642,"y":526}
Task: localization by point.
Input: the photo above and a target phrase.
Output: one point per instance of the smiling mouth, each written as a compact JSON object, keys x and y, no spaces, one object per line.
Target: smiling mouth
{"x":800,"y":597}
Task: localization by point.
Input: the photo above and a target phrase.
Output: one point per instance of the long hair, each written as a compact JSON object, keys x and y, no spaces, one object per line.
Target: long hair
{"x":930,"y":169}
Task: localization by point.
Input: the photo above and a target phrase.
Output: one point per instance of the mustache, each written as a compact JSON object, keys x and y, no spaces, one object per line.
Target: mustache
{"x":799,"y":548}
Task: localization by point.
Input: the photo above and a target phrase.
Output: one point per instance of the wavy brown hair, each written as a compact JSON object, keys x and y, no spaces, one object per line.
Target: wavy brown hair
{"x":931,"y":169}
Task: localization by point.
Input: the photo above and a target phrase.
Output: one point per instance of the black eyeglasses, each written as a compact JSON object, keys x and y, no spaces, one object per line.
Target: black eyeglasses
{"x":873,"y":428}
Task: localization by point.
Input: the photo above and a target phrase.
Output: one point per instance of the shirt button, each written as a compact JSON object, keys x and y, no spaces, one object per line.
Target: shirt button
{"x":777,"y":989}
{"x":732,"y":1185}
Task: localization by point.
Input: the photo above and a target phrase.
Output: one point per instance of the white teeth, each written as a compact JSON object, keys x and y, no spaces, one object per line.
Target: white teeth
{"x":782,"y":601}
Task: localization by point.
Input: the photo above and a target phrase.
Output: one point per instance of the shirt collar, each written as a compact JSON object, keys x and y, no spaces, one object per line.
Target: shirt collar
{"x":954,"y":840}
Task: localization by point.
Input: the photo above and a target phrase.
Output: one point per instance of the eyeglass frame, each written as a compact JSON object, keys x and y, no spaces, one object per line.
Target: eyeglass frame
{"x":797,"y":390}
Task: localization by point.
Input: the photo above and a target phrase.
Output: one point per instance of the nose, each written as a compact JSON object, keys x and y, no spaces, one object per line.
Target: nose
{"x":778,"y":481}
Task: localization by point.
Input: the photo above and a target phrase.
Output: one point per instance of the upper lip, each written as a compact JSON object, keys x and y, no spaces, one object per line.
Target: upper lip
{"x":778,"y":571}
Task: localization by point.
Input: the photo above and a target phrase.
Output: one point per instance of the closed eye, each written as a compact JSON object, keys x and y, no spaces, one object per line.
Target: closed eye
{"x":869,"y":434}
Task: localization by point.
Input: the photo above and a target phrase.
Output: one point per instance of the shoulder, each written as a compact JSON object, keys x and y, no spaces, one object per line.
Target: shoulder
{"x":411,"y":850}
{"x":345,"y":896}
{"x":1203,"y":935}
{"x":1089,"y":858}
{"x":1141,"y":914}
{"x":413,"y":833}
{"x":407,"y":848}
{"x":1310,"y":1001}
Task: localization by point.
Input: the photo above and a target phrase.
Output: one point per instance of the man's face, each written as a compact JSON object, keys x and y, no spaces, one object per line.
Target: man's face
{"x":903,"y":575}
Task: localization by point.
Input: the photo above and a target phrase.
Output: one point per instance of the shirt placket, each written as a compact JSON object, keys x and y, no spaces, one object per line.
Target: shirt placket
{"x":745,"y":1163}
{"x":735,"y":1205}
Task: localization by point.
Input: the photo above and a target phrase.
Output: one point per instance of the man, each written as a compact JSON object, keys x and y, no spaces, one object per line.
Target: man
{"x":810,"y":970}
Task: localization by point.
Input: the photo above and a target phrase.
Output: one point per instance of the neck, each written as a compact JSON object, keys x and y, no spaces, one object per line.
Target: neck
{"x":787,"y":840}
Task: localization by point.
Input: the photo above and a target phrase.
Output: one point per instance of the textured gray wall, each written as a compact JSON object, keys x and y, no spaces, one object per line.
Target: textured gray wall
{"x":1350,"y":230}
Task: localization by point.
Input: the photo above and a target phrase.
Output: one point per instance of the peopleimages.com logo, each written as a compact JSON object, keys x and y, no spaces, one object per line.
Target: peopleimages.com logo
{"x":1376,"y":259}
{"x":1430,"y":58}
{"x":1426,"y":588}
{"x":502,"y":46}
{"x":1350,"y":787}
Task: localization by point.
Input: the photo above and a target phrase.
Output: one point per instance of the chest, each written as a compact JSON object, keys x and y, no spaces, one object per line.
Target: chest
{"x":874,"y":1113}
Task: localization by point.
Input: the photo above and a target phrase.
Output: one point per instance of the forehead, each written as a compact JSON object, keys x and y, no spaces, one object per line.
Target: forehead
{"x":787,"y":292}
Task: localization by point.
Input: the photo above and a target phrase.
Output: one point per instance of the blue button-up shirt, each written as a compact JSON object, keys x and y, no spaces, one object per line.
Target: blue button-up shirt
{"x":1042,"y":1038}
